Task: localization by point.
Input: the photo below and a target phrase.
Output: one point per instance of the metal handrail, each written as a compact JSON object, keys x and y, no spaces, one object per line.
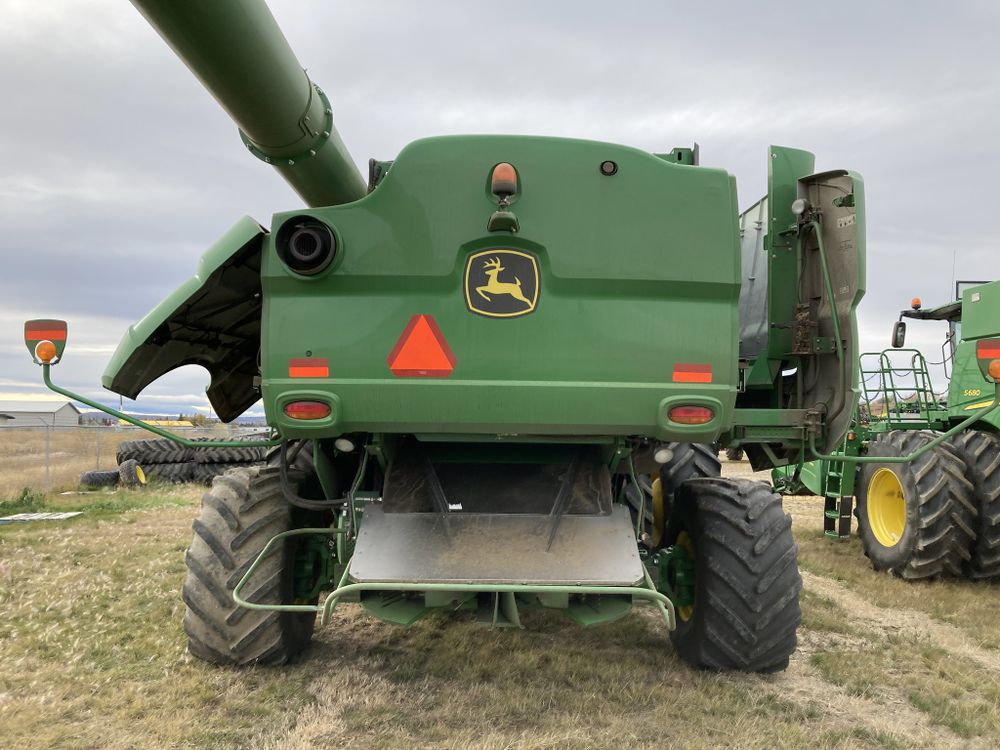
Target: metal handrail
{"x":646,"y":592}
{"x":186,"y":442}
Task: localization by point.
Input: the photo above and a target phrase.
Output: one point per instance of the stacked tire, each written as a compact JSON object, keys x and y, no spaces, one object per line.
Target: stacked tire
{"x":167,"y":461}
{"x":209,"y":463}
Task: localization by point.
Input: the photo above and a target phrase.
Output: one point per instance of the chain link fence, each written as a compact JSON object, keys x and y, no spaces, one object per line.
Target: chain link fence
{"x":47,"y":458}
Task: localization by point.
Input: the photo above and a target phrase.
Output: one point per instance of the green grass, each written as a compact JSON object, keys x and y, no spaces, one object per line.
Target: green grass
{"x":954,"y":692}
{"x":969,"y":605}
{"x":92,"y":654}
{"x":102,"y":503}
{"x":91,"y":649}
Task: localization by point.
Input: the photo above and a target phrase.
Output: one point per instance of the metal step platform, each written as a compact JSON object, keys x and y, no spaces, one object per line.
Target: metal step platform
{"x":496,"y":548}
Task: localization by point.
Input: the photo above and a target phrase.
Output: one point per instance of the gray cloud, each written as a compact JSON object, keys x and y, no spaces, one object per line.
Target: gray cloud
{"x":118,"y":169}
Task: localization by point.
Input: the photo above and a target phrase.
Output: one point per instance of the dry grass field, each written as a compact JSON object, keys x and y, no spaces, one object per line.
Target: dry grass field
{"x":71,"y":452}
{"x":92,"y":656}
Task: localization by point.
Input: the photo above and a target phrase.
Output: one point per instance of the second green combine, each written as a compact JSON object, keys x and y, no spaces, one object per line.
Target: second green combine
{"x":939,"y":514}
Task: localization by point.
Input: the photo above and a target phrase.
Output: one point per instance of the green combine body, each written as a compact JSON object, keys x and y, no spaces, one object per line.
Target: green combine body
{"x":900,"y":405}
{"x":494,"y":371}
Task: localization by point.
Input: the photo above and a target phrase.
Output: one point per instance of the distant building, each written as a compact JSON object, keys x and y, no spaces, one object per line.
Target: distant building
{"x":39,"y":414}
{"x":183,"y":423}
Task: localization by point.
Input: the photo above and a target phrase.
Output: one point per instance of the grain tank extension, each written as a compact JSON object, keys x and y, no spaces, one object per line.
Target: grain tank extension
{"x":495,"y":371}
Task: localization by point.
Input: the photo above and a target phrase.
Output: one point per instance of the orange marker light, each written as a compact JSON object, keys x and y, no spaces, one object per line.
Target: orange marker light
{"x":45,"y":351}
{"x":504,"y":180}
{"x":994,"y":369}
{"x":915,"y":303}
{"x":307,"y":410}
{"x":691,"y":415}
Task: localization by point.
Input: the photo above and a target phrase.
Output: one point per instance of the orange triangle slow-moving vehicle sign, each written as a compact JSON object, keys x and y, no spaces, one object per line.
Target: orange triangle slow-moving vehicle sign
{"x":421,"y":351}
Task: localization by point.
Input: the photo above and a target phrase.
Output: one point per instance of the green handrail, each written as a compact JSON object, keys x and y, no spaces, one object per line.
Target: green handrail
{"x":186,"y":442}
{"x":647,"y":592}
{"x":913,"y":456}
{"x":664,"y":604}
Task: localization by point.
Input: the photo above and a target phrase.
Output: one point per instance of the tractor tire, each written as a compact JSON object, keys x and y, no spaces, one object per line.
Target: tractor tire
{"x":99,"y":478}
{"x":175,"y":473}
{"x":244,"y":509}
{"x":158,"y":451}
{"x":745,"y":610}
{"x":734,"y":454}
{"x":915,"y":520}
{"x":248,"y":455}
{"x":131,"y":474}
{"x":690,"y":460}
{"x":981,"y":453}
{"x":205,"y":473}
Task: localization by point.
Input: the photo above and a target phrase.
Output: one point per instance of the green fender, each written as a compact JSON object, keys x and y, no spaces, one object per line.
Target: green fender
{"x":212,"y":320}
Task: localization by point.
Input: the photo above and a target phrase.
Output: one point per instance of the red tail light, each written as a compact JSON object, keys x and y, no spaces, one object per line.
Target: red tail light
{"x":307,"y":410}
{"x":988,"y":349}
{"x":691,"y":415}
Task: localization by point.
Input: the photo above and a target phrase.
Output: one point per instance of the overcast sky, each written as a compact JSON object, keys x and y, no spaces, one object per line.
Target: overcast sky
{"x":117,"y":170}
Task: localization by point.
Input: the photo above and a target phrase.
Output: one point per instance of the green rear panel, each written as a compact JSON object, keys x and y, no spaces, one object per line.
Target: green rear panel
{"x":969,"y":390}
{"x":639,"y":272}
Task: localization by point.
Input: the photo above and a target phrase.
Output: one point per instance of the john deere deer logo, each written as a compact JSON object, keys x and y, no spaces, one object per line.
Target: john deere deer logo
{"x":501,"y":283}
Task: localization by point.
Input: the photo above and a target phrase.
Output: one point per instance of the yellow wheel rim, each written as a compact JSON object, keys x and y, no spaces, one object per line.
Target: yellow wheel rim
{"x":140,"y":475}
{"x":886,"y":507}
{"x":658,"y":519}
{"x":685,"y":542}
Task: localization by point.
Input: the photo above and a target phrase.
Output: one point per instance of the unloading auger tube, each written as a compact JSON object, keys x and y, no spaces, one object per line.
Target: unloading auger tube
{"x":239,"y":54}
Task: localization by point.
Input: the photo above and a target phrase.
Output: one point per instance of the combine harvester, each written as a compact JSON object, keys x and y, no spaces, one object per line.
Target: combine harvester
{"x":939,"y":514}
{"x":494,"y":371}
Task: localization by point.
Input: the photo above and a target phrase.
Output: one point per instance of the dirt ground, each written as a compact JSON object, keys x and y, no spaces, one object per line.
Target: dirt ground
{"x":92,"y":656}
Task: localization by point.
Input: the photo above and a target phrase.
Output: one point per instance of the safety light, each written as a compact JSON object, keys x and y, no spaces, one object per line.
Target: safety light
{"x":307,"y":410}
{"x":45,"y":352}
{"x":691,"y":415}
{"x":503,"y":183}
{"x":915,"y":303}
{"x":45,"y":340}
{"x":994,"y":369}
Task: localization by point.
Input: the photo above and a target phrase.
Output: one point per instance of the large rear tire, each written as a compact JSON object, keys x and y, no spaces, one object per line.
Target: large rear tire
{"x":981,"y":453}
{"x":746,"y":578}
{"x":244,"y":509}
{"x":918,"y":519}
{"x":690,"y":461}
